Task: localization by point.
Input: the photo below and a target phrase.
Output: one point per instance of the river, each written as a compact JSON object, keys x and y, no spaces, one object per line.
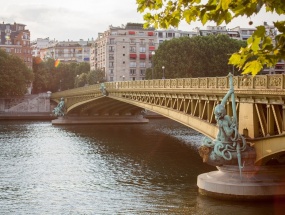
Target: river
{"x":107,"y":169}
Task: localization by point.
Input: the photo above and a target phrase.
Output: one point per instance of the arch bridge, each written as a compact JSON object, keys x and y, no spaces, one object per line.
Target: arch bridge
{"x":191,"y":101}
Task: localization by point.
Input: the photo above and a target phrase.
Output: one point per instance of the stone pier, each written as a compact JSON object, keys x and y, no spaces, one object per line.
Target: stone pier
{"x":69,"y":120}
{"x":257,"y":183}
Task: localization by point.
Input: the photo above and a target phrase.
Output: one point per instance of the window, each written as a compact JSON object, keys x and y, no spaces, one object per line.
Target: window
{"x":132,"y":49}
{"x":142,"y":71}
{"x":111,"y":71}
{"x":142,"y":41}
{"x":142,"y":49}
{"x":142,"y":64}
{"x":111,"y":48}
{"x":133,"y":64}
{"x":169,"y":35}
{"x":133,"y":41}
{"x":160,"y":35}
{"x":111,"y":64}
{"x":112,"y":41}
{"x":111,"y":57}
{"x":132,"y":71}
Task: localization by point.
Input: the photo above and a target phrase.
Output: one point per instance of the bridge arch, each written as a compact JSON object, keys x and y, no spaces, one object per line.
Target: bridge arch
{"x":260,"y":102}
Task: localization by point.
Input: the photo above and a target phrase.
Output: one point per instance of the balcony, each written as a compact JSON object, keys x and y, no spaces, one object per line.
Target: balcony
{"x":142,"y":56}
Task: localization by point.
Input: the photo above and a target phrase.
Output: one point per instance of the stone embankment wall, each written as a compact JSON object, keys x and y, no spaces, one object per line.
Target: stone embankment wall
{"x":28,"y":104}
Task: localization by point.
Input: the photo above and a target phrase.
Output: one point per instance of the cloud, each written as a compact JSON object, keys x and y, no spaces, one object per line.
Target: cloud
{"x":84,"y":19}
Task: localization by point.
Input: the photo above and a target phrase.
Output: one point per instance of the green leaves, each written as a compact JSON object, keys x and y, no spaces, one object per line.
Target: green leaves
{"x":14,"y":75}
{"x":261,"y":49}
{"x":259,"y":52}
{"x":195,"y":57}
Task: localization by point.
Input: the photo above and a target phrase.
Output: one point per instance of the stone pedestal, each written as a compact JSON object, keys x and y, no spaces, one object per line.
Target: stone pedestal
{"x":257,"y":183}
{"x":67,"y":120}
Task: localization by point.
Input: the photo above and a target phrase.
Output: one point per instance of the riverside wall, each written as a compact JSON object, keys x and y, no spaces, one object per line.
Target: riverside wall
{"x":27,"y":107}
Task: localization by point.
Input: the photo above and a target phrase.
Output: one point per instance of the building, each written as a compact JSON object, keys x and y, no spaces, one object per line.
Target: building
{"x":38,"y":45}
{"x":168,"y":34}
{"x":15,"y":39}
{"x":214,"y":30}
{"x":67,"y":51}
{"x":124,"y":52}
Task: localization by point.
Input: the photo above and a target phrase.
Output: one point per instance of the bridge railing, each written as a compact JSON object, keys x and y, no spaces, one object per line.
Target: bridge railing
{"x":240,"y":82}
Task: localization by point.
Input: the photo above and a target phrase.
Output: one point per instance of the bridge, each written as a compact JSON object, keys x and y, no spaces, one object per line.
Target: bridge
{"x":191,"y":101}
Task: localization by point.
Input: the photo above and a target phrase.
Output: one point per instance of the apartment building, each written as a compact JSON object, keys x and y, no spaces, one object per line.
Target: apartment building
{"x":124,"y":52}
{"x":214,"y":30}
{"x":39,"y":44}
{"x":15,"y":39}
{"x":168,"y":34}
{"x":67,"y":51}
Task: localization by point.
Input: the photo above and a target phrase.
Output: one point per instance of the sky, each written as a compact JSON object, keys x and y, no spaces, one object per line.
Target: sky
{"x":84,"y":19}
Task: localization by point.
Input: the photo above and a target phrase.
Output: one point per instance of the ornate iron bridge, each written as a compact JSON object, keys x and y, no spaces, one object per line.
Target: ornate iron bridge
{"x":191,"y":101}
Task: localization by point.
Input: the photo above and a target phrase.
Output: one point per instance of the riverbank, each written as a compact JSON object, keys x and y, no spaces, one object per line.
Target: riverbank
{"x":26,"y":116}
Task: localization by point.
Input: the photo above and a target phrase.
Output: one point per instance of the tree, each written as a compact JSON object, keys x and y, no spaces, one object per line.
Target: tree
{"x":15,"y":76}
{"x":260,"y":50}
{"x":52,"y":77}
{"x":41,"y":74}
{"x":185,"y":57}
{"x":80,"y":80}
{"x":96,"y":76}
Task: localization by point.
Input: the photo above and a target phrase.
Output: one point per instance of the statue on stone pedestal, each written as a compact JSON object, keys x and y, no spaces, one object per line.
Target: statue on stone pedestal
{"x":59,"y":109}
{"x":227,"y":147}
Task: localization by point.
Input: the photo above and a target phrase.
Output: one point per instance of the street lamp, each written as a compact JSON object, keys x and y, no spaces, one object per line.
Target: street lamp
{"x":152,"y":63}
{"x":163,"y":67}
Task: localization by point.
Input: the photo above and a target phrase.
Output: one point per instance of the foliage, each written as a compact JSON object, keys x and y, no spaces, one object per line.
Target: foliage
{"x":48,"y":77}
{"x":15,"y":76}
{"x":80,"y":80}
{"x":260,"y":50}
{"x":96,"y":76}
{"x":195,"y":57}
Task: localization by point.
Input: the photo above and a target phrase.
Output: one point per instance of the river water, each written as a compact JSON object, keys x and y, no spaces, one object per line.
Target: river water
{"x":107,"y":169}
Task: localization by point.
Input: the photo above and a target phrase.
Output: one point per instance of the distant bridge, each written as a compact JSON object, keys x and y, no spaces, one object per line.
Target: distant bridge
{"x":191,"y":101}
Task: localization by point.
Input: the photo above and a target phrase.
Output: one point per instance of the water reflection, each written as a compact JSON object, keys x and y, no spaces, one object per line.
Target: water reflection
{"x":111,"y":169}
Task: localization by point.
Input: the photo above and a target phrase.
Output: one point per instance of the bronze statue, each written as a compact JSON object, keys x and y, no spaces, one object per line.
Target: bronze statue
{"x":59,"y":109}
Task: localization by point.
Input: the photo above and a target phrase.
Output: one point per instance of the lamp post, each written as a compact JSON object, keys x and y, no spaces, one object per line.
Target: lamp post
{"x":60,"y":85}
{"x":152,"y":63}
{"x":163,"y":67}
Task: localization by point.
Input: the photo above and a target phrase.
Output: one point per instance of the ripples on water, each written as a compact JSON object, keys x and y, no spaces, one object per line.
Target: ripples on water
{"x":110,"y":169}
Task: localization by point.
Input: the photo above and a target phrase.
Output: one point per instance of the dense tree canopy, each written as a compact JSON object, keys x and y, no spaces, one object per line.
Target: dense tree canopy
{"x":52,"y":77}
{"x":15,"y":76}
{"x":194,"y":57}
{"x":261,"y":49}
{"x":96,"y":76}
